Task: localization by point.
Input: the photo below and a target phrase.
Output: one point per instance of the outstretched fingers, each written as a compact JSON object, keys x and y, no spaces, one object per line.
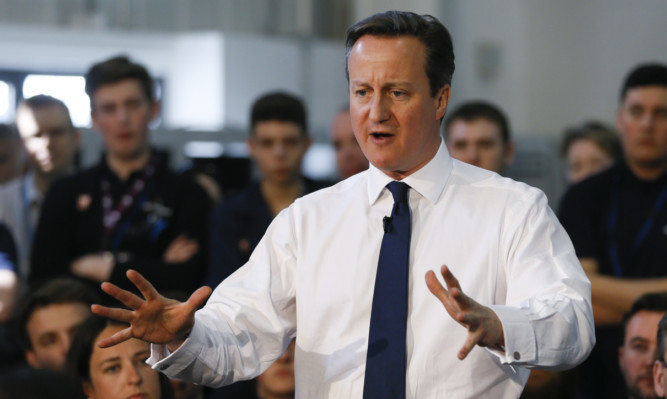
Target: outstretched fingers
{"x":117,"y":338}
{"x":127,"y":298}
{"x":123,"y":315}
{"x":145,"y":287}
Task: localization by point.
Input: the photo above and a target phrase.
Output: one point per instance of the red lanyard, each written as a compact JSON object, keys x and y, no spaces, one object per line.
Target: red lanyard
{"x":112,"y":215}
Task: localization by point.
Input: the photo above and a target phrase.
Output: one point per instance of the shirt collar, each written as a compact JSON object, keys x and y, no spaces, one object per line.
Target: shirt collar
{"x":429,"y":181}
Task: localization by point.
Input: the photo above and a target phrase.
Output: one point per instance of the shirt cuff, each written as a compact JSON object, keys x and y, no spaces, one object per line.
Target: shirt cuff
{"x":172,"y":363}
{"x":520,"y":343}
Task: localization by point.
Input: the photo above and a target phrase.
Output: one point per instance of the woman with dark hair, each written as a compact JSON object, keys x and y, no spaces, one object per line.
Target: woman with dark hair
{"x":116,"y":372}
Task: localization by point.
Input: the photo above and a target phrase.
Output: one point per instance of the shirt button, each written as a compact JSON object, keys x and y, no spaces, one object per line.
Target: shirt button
{"x":517,"y":356}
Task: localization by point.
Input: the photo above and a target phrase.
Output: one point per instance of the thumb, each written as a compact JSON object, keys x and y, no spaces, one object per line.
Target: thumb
{"x":198,"y":297}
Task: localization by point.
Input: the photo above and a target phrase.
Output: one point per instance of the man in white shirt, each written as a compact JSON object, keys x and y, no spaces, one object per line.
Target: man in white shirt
{"x":520,"y":298}
{"x":51,"y":141}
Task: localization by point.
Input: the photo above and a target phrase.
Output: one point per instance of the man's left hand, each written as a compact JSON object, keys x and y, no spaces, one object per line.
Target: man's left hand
{"x":484,"y":326}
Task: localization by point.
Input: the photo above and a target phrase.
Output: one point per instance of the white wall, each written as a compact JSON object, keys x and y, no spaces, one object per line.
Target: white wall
{"x":210,"y":79}
{"x":559,"y":62}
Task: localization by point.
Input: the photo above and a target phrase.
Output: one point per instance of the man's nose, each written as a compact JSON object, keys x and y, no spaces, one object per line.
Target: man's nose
{"x":379,"y":109}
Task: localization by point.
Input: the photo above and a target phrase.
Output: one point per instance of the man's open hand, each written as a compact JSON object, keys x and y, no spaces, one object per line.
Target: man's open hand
{"x":154,"y":318}
{"x":484,"y":327}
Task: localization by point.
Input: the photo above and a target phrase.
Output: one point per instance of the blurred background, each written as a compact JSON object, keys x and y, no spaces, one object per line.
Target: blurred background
{"x":547,"y":64}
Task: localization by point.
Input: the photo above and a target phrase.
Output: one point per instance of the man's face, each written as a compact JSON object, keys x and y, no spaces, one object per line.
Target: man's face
{"x":394,"y":117}
{"x":278,"y":148}
{"x":10,"y":159}
{"x":349,"y":157}
{"x":637,"y":354}
{"x":642,"y":123}
{"x":121,"y":112}
{"x":50,"y":139}
{"x":479,"y":142}
{"x":50,"y":330}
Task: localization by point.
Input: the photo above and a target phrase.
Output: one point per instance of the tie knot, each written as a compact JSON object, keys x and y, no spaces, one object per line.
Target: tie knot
{"x":399,"y":190}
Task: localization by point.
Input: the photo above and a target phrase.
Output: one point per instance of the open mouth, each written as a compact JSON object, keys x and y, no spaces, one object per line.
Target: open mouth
{"x":381,"y":135}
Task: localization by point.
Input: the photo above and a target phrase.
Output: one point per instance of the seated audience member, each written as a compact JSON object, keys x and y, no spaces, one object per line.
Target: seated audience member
{"x":116,"y":372}
{"x":51,"y":142}
{"x":589,"y":149}
{"x":130,"y":209}
{"x":11,"y":154}
{"x":277,"y":143}
{"x":277,"y":382}
{"x":48,"y":318}
{"x":616,"y":221}
{"x":638,"y":352}
{"x":350,"y":160}
{"x":660,"y":364}
{"x":478,"y":133}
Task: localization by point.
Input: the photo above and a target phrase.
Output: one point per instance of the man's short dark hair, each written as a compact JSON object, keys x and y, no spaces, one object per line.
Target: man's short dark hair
{"x":42,"y":101}
{"x":279,"y":106}
{"x":602,"y":135}
{"x":662,"y":336}
{"x":645,"y":75}
{"x":57,"y":291}
{"x":439,"y":53}
{"x":652,"y":302}
{"x":474,"y":110}
{"x":117,"y":69}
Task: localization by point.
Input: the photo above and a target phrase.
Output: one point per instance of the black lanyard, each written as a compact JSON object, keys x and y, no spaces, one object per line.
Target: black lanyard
{"x":641,"y":235}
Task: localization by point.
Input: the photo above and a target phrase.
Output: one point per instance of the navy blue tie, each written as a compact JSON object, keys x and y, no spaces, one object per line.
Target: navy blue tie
{"x":386,"y":358}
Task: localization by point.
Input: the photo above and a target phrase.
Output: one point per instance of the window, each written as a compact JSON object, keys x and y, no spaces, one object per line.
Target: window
{"x":70,"y":89}
{"x":7,"y":102}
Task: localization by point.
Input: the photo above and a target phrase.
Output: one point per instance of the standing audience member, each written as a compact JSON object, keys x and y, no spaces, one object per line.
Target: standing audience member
{"x":660,"y":364}
{"x":278,"y":141}
{"x":589,"y":149}
{"x":51,"y":141}
{"x":359,"y":289}
{"x":130,"y":209}
{"x":117,"y":372}
{"x":48,"y":318}
{"x":11,"y":154}
{"x":617,"y":221}
{"x":478,"y":133}
{"x":350,"y":160}
{"x":639,"y":350}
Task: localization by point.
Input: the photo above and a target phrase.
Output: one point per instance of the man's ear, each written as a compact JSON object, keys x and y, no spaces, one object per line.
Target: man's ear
{"x":508,"y":156}
{"x":156,"y":106}
{"x":32,"y":360}
{"x":442,"y":99}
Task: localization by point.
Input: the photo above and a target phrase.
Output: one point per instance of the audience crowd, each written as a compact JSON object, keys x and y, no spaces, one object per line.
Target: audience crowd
{"x":64,"y":230}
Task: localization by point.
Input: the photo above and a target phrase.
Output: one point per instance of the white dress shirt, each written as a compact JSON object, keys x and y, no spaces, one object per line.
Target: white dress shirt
{"x":313,"y":273}
{"x":20,"y":202}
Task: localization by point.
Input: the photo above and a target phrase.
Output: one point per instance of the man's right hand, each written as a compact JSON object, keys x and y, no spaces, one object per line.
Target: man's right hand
{"x":154,"y":318}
